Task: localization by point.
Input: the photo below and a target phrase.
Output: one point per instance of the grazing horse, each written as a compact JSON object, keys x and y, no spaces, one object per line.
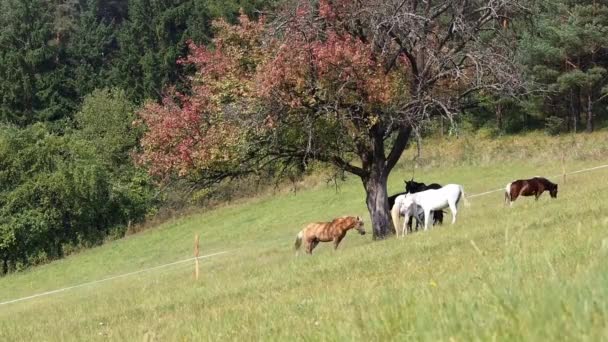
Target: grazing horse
{"x":334,"y":231}
{"x":429,"y":200}
{"x":529,"y":187}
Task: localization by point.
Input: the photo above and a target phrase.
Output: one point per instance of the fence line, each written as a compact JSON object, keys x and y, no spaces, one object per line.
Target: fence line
{"x":219,"y":253}
{"x":110,"y":278}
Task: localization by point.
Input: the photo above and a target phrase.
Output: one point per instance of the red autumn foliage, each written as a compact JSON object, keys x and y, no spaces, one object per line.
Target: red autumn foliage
{"x":180,"y":137}
{"x":188,"y":133}
{"x":340,"y":64}
{"x":322,"y":57}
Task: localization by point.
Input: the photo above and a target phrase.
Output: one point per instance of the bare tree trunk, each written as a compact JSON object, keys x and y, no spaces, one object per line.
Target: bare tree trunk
{"x":377,"y":202}
{"x":377,"y":167}
{"x":589,"y":114}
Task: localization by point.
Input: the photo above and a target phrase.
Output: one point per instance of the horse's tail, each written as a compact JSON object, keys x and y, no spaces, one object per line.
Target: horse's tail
{"x":299,"y":240}
{"x":508,"y":193}
{"x":395,"y":216}
{"x":466,"y":202}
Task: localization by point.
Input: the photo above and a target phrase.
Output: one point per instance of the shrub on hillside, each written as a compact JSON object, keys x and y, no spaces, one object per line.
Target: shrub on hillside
{"x":59,"y":193}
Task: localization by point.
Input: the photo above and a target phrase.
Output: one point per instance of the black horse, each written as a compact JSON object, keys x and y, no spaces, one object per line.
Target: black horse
{"x":412,"y":187}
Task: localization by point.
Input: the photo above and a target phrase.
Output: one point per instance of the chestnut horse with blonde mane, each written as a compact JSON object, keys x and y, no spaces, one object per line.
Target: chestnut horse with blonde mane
{"x":334,"y":231}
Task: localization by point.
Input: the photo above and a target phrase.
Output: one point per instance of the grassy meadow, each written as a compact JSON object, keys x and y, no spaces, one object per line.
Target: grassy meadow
{"x":537,"y":271}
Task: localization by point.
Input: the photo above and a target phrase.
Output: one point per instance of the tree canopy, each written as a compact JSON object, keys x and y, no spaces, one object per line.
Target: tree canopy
{"x":341,"y":82}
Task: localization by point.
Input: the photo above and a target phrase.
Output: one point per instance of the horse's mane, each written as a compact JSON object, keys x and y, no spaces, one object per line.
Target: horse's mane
{"x":349,"y":219}
{"x":344,"y":222}
{"x":412,"y":186}
{"x":545,"y":181}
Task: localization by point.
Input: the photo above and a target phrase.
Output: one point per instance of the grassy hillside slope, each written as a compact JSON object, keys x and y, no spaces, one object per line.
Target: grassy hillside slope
{"x":536,"y":271}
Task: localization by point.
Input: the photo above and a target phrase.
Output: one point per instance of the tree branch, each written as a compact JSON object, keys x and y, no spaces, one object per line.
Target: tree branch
{"x":402,"y":139}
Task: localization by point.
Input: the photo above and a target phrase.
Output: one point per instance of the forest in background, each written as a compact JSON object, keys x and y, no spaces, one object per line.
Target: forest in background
{"x":75,"y":73}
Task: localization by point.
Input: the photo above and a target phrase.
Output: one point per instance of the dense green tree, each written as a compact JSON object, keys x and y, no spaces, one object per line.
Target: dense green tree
{"x":53,"y":194}
{"x":113,"y":11}
{"x":154,"y":37}
{"x":567,"y":52}
{"x":55,"y":52}
{"x":91,"y":47}
{"x":32,"y":79}
{"x":106,"y":121}
{"x":62,"y":192}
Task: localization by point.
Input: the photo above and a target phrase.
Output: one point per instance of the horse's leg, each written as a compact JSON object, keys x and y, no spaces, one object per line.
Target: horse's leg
{"x":337,"y":241}
{"x":396,"y":216}
{"x":405,"y":221}
{"x":313,"y":245}
{"x":427,"y":217}
{"x":521,"y":192}
{"x":418,"y":223}
{"x":454,"y":210}
{"x":420,"y":219}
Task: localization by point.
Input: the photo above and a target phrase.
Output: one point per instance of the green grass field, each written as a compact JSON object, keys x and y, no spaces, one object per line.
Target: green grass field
{"x":537,"y":271}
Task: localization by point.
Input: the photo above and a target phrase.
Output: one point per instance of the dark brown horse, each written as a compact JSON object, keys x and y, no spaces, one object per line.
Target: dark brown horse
{"x":529,"y":187}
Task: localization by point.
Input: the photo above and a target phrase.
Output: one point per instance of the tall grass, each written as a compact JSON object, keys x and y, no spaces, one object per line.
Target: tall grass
{"x":536,"y":271}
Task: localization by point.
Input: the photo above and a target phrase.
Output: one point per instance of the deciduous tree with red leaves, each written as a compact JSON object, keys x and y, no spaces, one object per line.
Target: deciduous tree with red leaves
{"x":341,"y":82}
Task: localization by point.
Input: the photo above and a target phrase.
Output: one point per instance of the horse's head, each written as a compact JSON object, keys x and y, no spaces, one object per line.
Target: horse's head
{"x":412,"y":186}
{"x":409,"y":185}
{"x":553,"y":191}
{"x":359,"y":225}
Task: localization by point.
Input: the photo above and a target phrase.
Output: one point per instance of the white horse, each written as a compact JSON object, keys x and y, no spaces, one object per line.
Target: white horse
{"x":429,"y":200}
{"x":399,"y":210}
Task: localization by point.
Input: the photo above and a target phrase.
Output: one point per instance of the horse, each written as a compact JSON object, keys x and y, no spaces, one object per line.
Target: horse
{"x":413,"y":187}
{"x":419,"y":213}
{"x":429,"y":200}
{"x":529,"y":187}
{"x":398,"y":211}
{"x":334,"y":231}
